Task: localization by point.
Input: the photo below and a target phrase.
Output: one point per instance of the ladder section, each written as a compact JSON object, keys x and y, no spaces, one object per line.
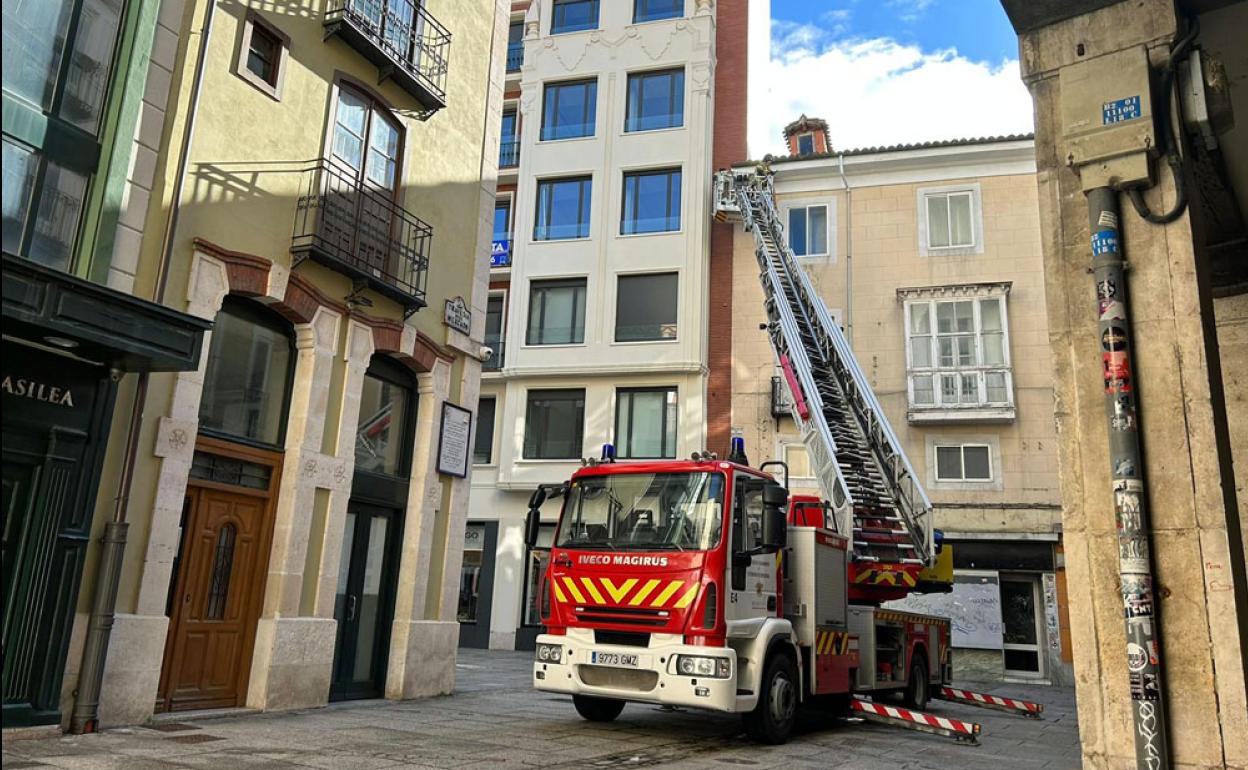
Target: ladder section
{"x":857,"y":459}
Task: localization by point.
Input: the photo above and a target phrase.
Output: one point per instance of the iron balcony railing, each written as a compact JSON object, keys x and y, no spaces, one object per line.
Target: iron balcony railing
{"x":509,"y":153}
{"x":515,"y":56}
{"x":362,"y":232}
{"x":495,"y":361}
{"x":404,"y":41}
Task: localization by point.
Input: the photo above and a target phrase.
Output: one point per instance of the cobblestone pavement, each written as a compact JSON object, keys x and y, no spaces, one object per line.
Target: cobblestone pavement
{"x":496,"y":720}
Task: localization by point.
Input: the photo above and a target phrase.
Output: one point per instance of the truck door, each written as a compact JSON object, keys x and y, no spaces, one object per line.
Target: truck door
{"x":752,"y":589}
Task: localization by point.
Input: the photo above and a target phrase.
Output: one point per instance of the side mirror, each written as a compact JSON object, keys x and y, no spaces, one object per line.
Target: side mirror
{"x":532,"y":525}
{"x":775,"y":528}
{"x":537,"y":498}
{"x":776,"y":496}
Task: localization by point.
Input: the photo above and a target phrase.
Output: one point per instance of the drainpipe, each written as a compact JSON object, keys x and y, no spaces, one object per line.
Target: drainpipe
{"x":1135,"y":568}
{"x":849,"y":251}
{"x":85,"y":715}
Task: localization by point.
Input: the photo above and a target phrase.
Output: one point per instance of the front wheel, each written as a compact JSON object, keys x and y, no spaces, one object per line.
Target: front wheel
{"x":772,"y":719}
{"x":918,"y":689}
{"x":597,"y":709}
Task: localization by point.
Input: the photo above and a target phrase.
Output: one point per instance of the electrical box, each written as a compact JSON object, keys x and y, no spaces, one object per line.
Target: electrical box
{"x":1107,"y":119}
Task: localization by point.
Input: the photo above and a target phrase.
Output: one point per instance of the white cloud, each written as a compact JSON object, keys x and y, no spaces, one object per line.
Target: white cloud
{"x":879,"y":92}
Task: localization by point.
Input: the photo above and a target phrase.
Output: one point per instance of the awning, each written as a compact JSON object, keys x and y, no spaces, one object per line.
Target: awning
{"x":58,"y":310}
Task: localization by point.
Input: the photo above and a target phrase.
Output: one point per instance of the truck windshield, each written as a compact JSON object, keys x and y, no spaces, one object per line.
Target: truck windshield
{"x":644,"y":511}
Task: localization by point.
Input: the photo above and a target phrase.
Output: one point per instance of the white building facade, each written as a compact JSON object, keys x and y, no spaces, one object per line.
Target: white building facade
{"x":598,"y":306}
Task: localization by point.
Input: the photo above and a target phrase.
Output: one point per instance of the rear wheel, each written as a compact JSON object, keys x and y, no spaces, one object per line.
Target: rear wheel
{"x":597,"y":709}
{"x":918,"y":690}
{"x":772,"y":719}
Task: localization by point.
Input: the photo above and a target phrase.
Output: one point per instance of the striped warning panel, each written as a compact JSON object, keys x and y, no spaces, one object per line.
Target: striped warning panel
{"x":632,"y":592}
{"x":917,"y":720}
{"x":1024,"y":707}
{"x":831,"y":642}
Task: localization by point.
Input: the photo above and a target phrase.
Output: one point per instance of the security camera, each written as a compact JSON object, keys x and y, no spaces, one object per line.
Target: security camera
{"x":485,"y":353}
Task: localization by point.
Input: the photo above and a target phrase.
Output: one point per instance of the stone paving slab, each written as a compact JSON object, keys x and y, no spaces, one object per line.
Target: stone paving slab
{"x":496,"y":720}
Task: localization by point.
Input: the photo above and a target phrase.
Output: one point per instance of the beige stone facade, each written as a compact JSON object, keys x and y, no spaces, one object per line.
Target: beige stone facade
{"x":245,"y":179}
{"x":859,"y":224}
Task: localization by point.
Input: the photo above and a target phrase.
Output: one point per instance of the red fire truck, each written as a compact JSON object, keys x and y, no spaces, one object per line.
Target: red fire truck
{"x":699,"y":583}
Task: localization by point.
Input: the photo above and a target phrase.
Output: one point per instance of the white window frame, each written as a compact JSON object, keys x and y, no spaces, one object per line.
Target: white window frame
{"x":962,"y":447}
{"x":782,"y":451}
{"x":996,"y":464}
{"x":977,"y":220}
{"x":830,"y":204}
{"x":979,"y":370}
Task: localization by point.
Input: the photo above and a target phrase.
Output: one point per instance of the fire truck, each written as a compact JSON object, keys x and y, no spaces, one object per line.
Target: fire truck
{"x":702,"y":583}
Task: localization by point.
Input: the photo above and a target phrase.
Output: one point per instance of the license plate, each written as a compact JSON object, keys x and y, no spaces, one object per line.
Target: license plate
{"x":618,"y":659}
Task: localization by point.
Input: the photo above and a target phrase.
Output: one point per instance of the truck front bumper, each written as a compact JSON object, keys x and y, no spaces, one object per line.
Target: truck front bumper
{"x":639,"y":674}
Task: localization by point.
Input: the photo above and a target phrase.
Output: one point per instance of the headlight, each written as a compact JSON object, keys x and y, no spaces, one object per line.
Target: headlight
{"x":700,"y":665}
{"x":549,"y":653}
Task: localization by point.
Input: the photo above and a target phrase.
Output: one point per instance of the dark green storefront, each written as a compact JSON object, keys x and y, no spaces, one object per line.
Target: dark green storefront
{"x":67,"y":344}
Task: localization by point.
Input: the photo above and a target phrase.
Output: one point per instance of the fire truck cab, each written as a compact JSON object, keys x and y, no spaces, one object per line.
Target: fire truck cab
{"x":699,"y":584}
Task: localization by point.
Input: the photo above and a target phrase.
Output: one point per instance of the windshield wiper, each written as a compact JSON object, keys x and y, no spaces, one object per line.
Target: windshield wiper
{"x":590,"y":544}
{"x":657,"y":546}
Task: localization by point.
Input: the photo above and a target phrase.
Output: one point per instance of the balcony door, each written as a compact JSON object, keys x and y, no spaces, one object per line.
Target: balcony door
{"x":361,"y":213}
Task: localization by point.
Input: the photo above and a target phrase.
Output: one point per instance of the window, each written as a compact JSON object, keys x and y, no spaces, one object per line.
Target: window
{"x":556,"y":312}
{"x":963,"y":462}
{"x":797,"y":457}
{"x":502,"y":219}
{"x":569,"y":110}
{"x":747,"y":517}
{"x":563,"y":209}
{"x":654,"y":10}
{"x":806,"y":144}
{"x":645,"y":307}
{"x":382,"y":434}
{"x":58,"y":58}
{"x":262,"y":55}
{"x":509,"y":143}
{"x":958,"y":353}
{"x":655,"y":100}
{"x":651,"y":202}
{"x":645,"y":423}
{"x":950,"y":220}
{"x":247,"y":379}
{"x":808,"y":231}
{"x":494,"y":310}
{"x":554,"y":424}
{"x":470,"y":573}
{"x":483,"y":447}
{"x":515,"y":46}
{"x":366,"y":139}
{"x":574,"y":16}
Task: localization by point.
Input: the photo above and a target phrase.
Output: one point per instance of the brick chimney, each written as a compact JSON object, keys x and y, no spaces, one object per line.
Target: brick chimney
{"x":807,"y":136}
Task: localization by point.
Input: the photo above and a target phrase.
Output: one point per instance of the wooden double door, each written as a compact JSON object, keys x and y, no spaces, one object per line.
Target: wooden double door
{"x":218,"y":586}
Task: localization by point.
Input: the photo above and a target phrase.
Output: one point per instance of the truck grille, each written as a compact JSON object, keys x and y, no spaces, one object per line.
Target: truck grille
{"x":624,"y":615}
{"x":618,"y":678}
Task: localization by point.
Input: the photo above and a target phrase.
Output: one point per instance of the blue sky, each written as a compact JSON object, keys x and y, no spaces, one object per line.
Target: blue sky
{"x":889,"y":71}
{"x":978,"y":29}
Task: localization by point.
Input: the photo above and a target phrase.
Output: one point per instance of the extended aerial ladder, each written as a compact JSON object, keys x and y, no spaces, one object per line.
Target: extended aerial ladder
{"x":861,"y":469}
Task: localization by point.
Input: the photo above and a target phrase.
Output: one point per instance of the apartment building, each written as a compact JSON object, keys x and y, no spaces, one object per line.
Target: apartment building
{"x":929,"y":256}
{"x":305,"y":192}
{"x":599,"y":299}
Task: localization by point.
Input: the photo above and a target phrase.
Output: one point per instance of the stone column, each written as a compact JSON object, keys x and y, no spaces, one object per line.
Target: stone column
{"x":293,"y":658}
{"x":422,"y":644}
{"x":1196,"y":533}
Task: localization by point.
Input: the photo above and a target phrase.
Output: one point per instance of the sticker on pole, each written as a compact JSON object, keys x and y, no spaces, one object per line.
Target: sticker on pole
{"x":1104,"y":242}
{"x":1119,"y":110}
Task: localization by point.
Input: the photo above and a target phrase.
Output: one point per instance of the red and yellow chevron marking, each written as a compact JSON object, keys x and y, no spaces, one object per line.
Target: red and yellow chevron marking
{"x":885,"y":577}
{"x":632,"y":592}
{"x":831,"y":642}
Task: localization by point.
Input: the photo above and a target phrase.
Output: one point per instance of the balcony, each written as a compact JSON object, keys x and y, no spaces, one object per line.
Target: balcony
{"x":515,"y":56}
{"x":495,"y":362}
{"x":509,"y":153}
{"x":781,"y":400}
{"x":402,"y":39}
{"x":362,"y":232}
